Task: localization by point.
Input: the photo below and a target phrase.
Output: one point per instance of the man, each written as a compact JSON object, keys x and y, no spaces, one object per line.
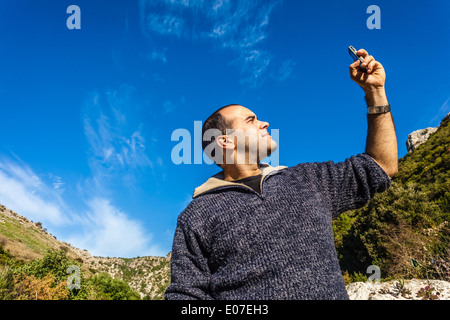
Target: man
{"x":254,"y":231}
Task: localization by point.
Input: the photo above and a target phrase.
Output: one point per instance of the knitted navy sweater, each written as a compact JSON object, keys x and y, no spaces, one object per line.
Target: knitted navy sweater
{"x":234,"y":243}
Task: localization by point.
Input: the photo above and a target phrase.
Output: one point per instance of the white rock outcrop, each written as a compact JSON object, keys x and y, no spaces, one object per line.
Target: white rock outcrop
{"x":397,"y":290}
{"x":418,"y":137}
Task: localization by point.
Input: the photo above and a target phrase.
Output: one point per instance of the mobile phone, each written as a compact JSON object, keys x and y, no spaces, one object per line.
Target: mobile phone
{"x":354,"y":55}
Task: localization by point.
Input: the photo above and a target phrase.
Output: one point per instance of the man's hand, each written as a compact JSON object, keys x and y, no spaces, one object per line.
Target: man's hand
{"x":375,"y":76}
{"x":371,"y":81}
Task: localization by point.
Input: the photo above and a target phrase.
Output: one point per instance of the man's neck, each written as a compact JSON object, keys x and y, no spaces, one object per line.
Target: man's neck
{"x":240,"y":171}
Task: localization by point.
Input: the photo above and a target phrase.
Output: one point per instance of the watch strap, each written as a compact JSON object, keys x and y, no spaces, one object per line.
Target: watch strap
{"x":379,"y":109}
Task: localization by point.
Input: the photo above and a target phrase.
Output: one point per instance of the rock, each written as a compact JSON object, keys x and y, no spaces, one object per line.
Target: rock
{"x":360,"y":290}
{"x":396,"y":290}
{"x":418,"y":137}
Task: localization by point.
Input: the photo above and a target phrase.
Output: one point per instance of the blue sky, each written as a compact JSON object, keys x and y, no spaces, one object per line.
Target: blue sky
{"x":87,"y":115}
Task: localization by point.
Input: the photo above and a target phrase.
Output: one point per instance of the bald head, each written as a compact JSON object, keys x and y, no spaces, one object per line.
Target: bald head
{"x":239,"y":119}
{"x":231,"y":112}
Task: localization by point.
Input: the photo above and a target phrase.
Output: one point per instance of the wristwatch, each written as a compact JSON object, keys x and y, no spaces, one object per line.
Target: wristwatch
{"x":379,"y":109}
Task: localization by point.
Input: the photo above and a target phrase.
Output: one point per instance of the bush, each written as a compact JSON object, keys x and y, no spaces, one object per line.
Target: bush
{"x":108,"y":288}
{"x":5,"y":256}
{"x":355,"y":277}
{"x":28,"y":287}
{"x":6,"y":283}
{"x":54,"y":262}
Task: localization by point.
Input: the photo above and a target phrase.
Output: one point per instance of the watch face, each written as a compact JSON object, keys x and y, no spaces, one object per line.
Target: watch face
{"x":378,"y":109}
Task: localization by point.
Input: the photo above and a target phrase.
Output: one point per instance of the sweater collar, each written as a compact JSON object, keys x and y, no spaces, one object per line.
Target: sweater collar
{"x":217,"y":180}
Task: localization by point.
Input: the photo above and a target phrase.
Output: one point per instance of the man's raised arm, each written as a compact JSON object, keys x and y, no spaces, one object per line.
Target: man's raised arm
{"x":381,"y":143}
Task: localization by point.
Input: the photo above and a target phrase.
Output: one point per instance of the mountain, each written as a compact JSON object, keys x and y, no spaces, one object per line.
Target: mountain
{"x":25,"y":242}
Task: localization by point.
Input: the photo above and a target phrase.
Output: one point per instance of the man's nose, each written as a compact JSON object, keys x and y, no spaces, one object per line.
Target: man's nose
{"x":263,"y":125}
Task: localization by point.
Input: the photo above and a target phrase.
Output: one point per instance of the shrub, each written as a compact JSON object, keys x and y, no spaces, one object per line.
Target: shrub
{"x":28,"y":287}
{"x":108,"y":288}
{"x":6,"y":283}
{"x":54,"y":262}
{"x":427,"y":293}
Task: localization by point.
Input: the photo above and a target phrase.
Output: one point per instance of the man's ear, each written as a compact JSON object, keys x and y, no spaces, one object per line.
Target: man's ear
{"x":225,"y":142}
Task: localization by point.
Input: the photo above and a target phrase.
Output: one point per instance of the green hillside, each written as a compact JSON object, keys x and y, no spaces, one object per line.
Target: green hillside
{"x":33,"y":265}
{"x":405,"y":231}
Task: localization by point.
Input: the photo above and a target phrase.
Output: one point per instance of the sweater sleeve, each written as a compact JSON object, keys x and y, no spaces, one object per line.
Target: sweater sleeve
{"x":352,"y":183}
{"x":189,"y":268}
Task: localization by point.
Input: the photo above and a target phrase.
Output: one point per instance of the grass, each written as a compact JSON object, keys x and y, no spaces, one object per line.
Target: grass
{"x":25,"y":240}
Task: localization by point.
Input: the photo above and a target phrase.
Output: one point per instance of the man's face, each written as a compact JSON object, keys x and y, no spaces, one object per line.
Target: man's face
{"x":250,"y":134}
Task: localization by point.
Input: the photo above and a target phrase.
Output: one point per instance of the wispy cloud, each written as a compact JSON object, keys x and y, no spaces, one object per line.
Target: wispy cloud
{"x":168,"y":106}
{"x":240,"y":24}
{"x":111,"y":150}
{"x":253,"y":67}
{"x":158,"y":55}
{"x":285,"y":71}
{"x":164,"y":24}
{"x":24,"y":191}
{"x":116,"y":146}
{"x":442,"y":112}
{"x":58,"y":184}
{"x":237,"y":25}
{"x":108,"y":231}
